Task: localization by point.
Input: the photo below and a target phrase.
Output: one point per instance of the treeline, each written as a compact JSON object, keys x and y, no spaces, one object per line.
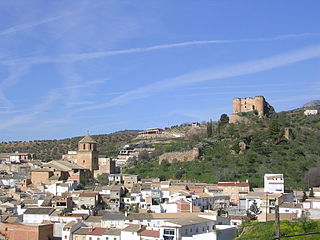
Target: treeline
{"x":47,"y":150}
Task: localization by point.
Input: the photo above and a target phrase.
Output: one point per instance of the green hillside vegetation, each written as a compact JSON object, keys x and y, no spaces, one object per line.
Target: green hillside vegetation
{"x":46,"y":150}
{"x":265,"y":231}
{"x":267,"y":152}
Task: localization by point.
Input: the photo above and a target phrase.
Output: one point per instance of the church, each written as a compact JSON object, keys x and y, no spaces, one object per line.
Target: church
{"x":86,"y":156}
{"x":78,"y":166}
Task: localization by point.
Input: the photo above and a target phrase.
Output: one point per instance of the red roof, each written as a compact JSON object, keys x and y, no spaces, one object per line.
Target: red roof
{"x":150,"y":233}
{"x":99,"y":231}
{"x":88,"y":194}
{"x":233,"y":184}
{"x":196,"y":189}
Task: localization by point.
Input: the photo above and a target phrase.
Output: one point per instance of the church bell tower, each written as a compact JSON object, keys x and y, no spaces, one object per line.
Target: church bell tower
{"x":87,"y":155}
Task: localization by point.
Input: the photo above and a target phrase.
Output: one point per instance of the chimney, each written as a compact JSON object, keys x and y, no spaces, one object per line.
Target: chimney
{"x":91,"y":228}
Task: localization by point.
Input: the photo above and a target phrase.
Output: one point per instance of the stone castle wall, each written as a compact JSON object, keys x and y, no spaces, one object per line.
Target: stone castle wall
{"x":185,"y":156}
{"x":249,"y":105}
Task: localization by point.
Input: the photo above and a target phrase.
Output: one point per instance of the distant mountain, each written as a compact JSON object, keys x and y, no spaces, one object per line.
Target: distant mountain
{"x":313,"y":103}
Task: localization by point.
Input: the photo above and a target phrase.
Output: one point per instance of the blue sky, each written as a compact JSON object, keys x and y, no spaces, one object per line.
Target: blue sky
{"x":67,"y":67}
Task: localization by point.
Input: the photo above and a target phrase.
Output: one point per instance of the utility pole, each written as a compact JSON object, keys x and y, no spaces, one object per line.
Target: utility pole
{"x":277,"y":222}
{"x":267,"y":206}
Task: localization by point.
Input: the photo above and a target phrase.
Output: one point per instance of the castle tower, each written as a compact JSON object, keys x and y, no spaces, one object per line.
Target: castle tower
{"x":259,"y":105}
{"x":87,"y":155}
{"x":236,"y":105}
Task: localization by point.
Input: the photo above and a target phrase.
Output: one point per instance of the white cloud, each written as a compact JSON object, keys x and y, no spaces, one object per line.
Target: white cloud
{"x":102,"y":54}
{"x":26,"y":26}
{"x":214,"y":74}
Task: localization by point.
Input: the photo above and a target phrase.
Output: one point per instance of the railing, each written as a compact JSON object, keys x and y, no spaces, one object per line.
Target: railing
{"x":297,"y":235}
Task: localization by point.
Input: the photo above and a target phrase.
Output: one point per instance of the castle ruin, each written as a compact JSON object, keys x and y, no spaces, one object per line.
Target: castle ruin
{"x":256,"y":104}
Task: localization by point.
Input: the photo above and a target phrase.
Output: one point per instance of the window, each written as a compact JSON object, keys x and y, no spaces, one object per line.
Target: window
{"x":169,"y":231}
{"x":90,"y":238}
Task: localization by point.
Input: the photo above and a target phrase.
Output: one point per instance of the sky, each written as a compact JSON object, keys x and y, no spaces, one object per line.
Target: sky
{"x":69,"y":67}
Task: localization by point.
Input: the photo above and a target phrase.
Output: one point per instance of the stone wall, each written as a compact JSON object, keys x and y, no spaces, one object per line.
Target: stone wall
{"x":185,"y":156}
{"x":234,"y":118}
{"x":249,"y":104}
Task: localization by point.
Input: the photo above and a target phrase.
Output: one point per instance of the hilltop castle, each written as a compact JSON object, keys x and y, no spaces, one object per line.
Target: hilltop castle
{"x":256,"y":104}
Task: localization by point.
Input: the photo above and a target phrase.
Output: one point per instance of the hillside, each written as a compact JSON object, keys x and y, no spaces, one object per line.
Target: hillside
{"x":267,"y":151}
{"x":265,"y":231}
{"x":313,"y":103}
{"x":108,"y":144}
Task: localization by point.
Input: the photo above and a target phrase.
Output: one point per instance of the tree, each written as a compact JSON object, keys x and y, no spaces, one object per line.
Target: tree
{"x":254,"y":211}
{"x":304,"y":197}
{"x":209,"y":129}
{"x":103,"y":179}
{"x":180,"y":173}
{"x":144,"y":156}
{"x":224,"y":118}
{"x":162,"y":178}
{"x":311,"y":193}
{"x":274,"y":129}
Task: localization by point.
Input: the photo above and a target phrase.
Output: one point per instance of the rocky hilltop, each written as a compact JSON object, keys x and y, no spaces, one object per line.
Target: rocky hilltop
{"x":313,"y":103}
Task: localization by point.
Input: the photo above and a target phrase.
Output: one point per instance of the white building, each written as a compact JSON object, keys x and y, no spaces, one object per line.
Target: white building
{"x":273,"y":183}
{"x":61,"y":187}
{"x":287,"y":207}
{"x":37,"y":215}
{"x":310,"y":112}
{"x":196,"y":228}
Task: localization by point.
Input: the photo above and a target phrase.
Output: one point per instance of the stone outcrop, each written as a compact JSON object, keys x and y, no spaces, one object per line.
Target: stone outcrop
{"x":288,"y":134}
{"x":185,"y":156}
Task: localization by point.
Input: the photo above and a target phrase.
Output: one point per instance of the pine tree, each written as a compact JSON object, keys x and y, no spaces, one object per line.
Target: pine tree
{"x":209,"y":129}
{"x":304,"y":197}
{"x":253,"y":211}
{"x":254,"y":208}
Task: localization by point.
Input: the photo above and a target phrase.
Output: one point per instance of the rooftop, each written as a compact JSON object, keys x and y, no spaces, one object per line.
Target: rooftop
{"x":240,"y":184}
{"x":37,"y":211}
{"x":150,"y":233}
{"x":189,"y":221}
{"x":87,"y":139}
